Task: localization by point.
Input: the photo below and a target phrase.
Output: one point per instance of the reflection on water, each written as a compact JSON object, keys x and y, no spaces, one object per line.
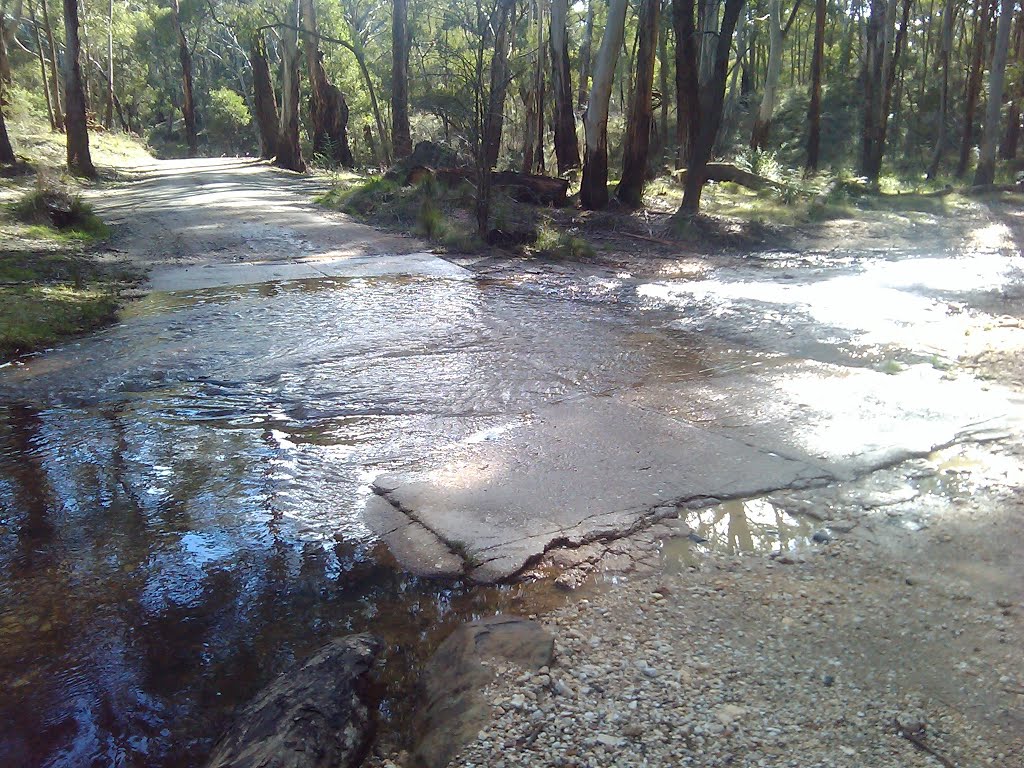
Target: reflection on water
{"x":736,"y":527}
{"x":181,"y":495}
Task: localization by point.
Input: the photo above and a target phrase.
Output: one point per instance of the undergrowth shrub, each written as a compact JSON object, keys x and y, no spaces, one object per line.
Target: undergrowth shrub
{"x":51,"y":205}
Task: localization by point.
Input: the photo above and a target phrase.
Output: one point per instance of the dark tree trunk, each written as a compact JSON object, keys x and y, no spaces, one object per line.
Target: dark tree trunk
{"x":567,"y":151}
{"x":1008,"y":149}
{"x":687,"y":83}
{"x":188,"y":107}
{"x":263,"y":98}
{"x":945,"y":52}
{"x":594,"y":188}
{"x":712,"y":99}
{"x":401,"y":133}
{"x":289,"y":152}
{"x":974,"y":83}
{"x":6,"y":150}
{"x":491,"y":119}
{"x":494,"y":120}
{"x":663,"y":82}
{"x":893,"y":59}
{"x":328,"y":110}
{"x":814,"y":110}
{"x":874,"y":74}
{"x":585,"y":48}
{"x":58,"y":116}
{"x":638,"y":126}
{"x":986,"y":171}
{"x":79,"y":158}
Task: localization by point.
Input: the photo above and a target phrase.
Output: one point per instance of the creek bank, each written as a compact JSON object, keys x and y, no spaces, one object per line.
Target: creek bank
{"x":823,"y":655}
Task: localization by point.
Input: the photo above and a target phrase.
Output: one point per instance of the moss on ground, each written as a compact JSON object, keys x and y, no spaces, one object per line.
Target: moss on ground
{"x":53,"y":284}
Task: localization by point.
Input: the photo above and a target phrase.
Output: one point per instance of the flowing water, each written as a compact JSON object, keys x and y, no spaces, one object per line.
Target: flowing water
{"x":181,"y":495}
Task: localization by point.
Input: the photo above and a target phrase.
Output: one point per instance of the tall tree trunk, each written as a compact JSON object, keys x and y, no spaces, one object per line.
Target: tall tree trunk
{"x":585,"y":47}
{"x":663,"y":78}
{"x":494,"y":120}
{"x":401,"y":133}
{"x":945,"y":52}
{"x":874,"y":77}
{"x":567,"y":151}
{"x":814,"y":110}
{"x":289,"y":152}
{"x":328,"y":110}
{"x":108,"y":116}
{"x":263,"y":98}
{"x":712,"y":100}
{"x":42,"y":68}
{"x":79,"y":158}
{"x":492,"y":106}
{"x":188,"y":106}
{"x":687,"y":81}
{"x":7,"y":156}
{"x":594,"y":188}
{"x":893,"y":59}
{"x":539,"y":88}
{"x":974,"y":82}
{"x":1008,"y":149}
{"x":771,"y":82}
{"x":638,"y":126}
{"x":986,"y":170}
{"x":360,"y":53}
{"x":533,"y":100}
{"x":58,"y":116}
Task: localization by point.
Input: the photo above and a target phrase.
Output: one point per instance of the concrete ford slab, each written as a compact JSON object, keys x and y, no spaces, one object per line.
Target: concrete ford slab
{"x":577,"y":471}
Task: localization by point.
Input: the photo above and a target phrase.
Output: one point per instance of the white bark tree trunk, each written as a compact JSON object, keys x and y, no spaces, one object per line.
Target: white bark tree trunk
{"x":594,"y":189}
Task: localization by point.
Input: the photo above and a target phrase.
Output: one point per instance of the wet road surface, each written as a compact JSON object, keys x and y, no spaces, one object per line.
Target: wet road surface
{"x":183,"y":497}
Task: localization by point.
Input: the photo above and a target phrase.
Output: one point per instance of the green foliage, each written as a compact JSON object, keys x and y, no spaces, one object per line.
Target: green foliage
{"x":566,"y":244}
{"x":364,"y":198}
{"x":33,"y":316}
{"x":26,"y":104}
{"x":228,"y":120}
{"x":53,"y":212}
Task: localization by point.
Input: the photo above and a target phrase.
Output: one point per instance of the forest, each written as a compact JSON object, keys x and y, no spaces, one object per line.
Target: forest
{"x":607,"y":95}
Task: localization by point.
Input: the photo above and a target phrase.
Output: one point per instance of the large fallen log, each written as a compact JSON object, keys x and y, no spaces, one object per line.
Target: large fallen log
{"x":323,"y":713}
{"x":730,"y":172}
{"x":523,"y":187}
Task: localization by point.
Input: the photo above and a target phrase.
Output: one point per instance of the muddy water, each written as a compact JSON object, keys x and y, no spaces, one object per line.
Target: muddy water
{"x":180,"y":496}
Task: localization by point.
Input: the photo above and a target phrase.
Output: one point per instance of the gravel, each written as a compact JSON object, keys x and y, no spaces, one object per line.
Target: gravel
{"x":834,"y":657}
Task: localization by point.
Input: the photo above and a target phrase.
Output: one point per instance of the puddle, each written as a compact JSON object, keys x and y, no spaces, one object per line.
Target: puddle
{"x":737,"y":527}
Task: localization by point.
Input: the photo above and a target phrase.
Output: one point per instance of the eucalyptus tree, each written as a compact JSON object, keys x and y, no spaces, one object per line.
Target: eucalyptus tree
{"x":78,"y":156}
{"x":986,"y":170}
{"x":638,"y":125}
{"x":567,"y":151}
{"x":594,"y":188}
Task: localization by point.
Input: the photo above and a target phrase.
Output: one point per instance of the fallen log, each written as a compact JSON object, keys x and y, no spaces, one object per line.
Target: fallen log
{"x":522,"y":187}
{"x":990,"y":189}
{"x":323,"y":713}
{"x":527,"y":188}
{"x":730,"y":172}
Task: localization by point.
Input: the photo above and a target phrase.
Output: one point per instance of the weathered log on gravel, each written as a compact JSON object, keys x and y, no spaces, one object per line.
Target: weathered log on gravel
{"x":321,"y":714}
{"x":454,"y":709}
{"x":523,"y":187}
{"x":730,"y":172}
{"x":527,"y":188}
{"x":989,"y":189}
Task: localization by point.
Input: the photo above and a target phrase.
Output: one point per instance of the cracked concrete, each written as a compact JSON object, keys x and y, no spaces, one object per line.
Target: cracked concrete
{"x":584,"y":469}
